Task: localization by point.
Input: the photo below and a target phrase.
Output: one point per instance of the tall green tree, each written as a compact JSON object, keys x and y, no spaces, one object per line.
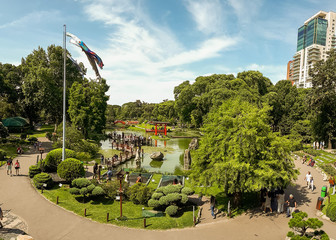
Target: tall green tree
{"x":323,"y":100}
{"x":240,"y":152}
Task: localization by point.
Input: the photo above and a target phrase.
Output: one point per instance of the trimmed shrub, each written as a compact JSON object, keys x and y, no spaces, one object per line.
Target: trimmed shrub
{"x":54,"y":158}
{"x":70,"y":169}
{"x":331,"y":211}
{"x":159,"y":190}
{"x":184,"y":198}
{"x":173,"y":198}
{"x":80,"y":182}
{"x":172,"y":189}
{"x":3,"y":155}
{"x":140,"y":193}
{"x":33,"y":170}
{"x":111,"y":189}
{"x":84,"y":191}
{"x":91,"y":187}
{"x":172,"y":210}
{"x":74,"y":191}
{"x":42,"y":178}
{"x":164,"y":201}
{"x":153,"y":203}
{"x":187,"y":191}
{"x":97,"y":191}
{"x":157,"y":195}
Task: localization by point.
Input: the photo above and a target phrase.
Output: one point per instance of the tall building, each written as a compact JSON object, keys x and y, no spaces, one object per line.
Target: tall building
{"x":315,"y":38}
{"x":290,"y":71}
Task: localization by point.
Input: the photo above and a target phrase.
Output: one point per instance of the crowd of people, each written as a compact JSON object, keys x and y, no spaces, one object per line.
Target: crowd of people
{"x":274,"y":201}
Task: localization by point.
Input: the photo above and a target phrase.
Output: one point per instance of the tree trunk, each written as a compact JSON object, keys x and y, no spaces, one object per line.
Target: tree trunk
{"x":237,"y":196}
{"x":329,"y":142}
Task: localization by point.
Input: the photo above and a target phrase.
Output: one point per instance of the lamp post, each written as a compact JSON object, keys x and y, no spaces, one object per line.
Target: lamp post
{"x":120,"y":177}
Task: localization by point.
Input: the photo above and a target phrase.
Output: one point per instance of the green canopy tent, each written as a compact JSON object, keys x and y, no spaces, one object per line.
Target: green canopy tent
{"x":15,"y":124}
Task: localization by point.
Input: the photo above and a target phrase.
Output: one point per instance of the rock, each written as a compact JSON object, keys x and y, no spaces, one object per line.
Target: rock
{"x":187,"y":159}
{"x":193,"y":145}
{"x":157,"y":156}
{"x":24,"y":237}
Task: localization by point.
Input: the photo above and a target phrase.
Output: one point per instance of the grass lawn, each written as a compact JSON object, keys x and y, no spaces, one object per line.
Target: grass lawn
{"x":98,"y":208}
{"x":156,"y":177}
{"x":185,"y":132}
{"x":10,"y":149}
{"x":325,"y":202}
{"x":41,"y":132}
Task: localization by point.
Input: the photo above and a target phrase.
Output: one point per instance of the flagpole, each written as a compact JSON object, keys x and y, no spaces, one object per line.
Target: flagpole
{"x":64,"y":89}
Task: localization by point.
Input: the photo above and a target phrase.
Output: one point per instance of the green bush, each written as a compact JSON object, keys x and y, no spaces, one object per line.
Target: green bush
{"x":331,"y":211}
{"x":32,"y":139}
{"x":159,"y":190}
{"x":33,"y":170}
{"x":164,"y":201}
{"x":172,"y":189}
{"x":184,"y":198}
{"x":3,"y":131}
{"x":3,"y":155}
{"x":173,"y":198}
{"x":187,"y":191}
{"x":80,"y":182}
{"x":54,"y":158}
{"x":91,"y":187}
{"x":42,"y":178}
{"x":23,"y":136}
{"x":74,"y":191}
{"x":70,"y":169}
{"x":111,"y":189}
{"x":157,"y":195}
{"x":312,"y":152}
{"x":172,"y":210}
{"x":97,"y":191}
{"x":49,"y":136}
{"x":140,"y":193}
{"x":84,"y":191}
{"x":154,"y":203}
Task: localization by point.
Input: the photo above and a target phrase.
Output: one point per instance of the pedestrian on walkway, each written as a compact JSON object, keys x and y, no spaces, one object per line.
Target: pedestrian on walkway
{"x":127,"y":179}
{"x":109,"y":174}
{"x":307,"y":178}
{"x":268,"y":202}
{"x":1,"y":217}
{"x":291,"y":205}
{"x":17,"y":168}
{"x":212,"y":206}
{"x":332,"y":183}
{"x":281,"y":201}
{"x":9,"y":166}
{"x":102,"y":159}
{"x":139,"y":179}
{"x":95,"y":170}
{"x":312,"y":183}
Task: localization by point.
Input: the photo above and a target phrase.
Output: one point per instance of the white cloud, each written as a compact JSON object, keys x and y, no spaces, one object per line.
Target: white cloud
{"x":245,"y":10}
{"x":143,"y":60}
{"x":208,"y":15}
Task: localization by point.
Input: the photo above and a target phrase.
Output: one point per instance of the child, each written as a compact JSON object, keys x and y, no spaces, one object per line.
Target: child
{"x":312,"y":183}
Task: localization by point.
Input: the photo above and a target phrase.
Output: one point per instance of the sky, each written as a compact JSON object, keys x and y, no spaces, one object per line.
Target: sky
{"x":150,"y":46}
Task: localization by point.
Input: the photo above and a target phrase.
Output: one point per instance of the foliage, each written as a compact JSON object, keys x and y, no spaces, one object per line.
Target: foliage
{"x":85,"y":187}
{"x":74,"y":191}
{"x":139,"y":193}
{"x":187,"y":191}
{"x":3,"y":155}
{"x":33,"y":170}
{"x":97,"y":191}
{"x":111,"y":189}
{"x":172,"y":189}
{"x":240,"y":152}
{"x":80,"y":182}
{"x":54,"y":158}
{"x":3,"y":131}
{"x":153,"y":203}
{"x":172,"y":210}
{"x":312,"y":152}
{"x":323,"y":97}
{"x":331,"y":211}
{"x":70,"y":169}
{"x":300,"y":225}
{"x":157,"y":195}
{"x":42,"y":178}
{"x":327,"y":168}
{"x":32,"y":139}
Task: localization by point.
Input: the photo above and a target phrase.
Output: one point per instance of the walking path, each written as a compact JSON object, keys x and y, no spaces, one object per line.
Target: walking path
{"x":47,"y":221}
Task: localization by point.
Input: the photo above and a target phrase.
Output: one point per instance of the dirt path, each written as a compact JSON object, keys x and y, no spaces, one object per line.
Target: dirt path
{"x":47,"y":221}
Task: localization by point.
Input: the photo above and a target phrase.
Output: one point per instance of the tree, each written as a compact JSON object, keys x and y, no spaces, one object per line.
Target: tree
{"x":323,"y":100}
{"x":240,"y":152}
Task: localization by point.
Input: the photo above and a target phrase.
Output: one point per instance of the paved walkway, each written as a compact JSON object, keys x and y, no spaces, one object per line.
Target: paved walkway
{"x":47,"y":221}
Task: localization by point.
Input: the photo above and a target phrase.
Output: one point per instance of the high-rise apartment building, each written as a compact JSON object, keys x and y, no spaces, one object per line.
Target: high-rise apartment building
{"x":315,"y":38}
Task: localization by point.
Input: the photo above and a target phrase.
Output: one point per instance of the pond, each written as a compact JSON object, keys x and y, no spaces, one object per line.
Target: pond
{"x":172,"y":149}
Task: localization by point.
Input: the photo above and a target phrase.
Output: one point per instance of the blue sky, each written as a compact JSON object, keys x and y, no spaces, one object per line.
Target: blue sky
{"x":150,"y":46}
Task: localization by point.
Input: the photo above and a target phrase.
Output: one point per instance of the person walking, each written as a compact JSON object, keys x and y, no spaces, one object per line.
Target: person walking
{"x":332,"y":184}
{"x":212,"y":206}
{"x":139,"y":179}
{"x":9,"y":166}
{"x":109,"y":174}
{"x":307,"y":178}
{"x":281,"y":201}
{"x":268,"y":202}
{"x":17,"y":168}
{"x":312,"y":183}
{"x":291,"y":203}
{"x":127,"y":178}
{"x":95,"y":170}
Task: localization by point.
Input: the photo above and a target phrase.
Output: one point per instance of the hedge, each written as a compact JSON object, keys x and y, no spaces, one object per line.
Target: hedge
{"x":54,"y":158}
{"x":70,"y":169}
{"x":331,"y":211}
{"x":33,"y":170}
{"x":172,"y":210}
{"x":42,"y":178}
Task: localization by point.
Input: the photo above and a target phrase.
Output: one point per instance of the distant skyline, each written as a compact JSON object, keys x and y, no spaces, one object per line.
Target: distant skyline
{"x":150,"y":46}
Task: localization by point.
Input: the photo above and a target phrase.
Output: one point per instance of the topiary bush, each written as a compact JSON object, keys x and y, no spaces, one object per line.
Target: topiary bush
{"x":33,"y":170}
{"x":70,"y":169}
{"x":111,"y":189}
{"x":54,"y":158}
{"x":140,"y":193}
{"x":331,"y":211}
{"x":97,"y":191}
{"x":84,"y":191}
{"x":173,"y":198}
{"x":42,"y":178}
{"x":172,"y":189}
{"x":157,"y":195}
{"x":80,"y":182}
{"x":91,"y":187}
{"x":187,"y":191}
{"x":74,"y":191}
{"x":172,"y":210}
{"x":153,"y":203}
{"x":184,"y":198}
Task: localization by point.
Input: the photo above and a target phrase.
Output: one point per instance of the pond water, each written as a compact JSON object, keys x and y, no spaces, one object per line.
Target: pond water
{"x":172,"y":149}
